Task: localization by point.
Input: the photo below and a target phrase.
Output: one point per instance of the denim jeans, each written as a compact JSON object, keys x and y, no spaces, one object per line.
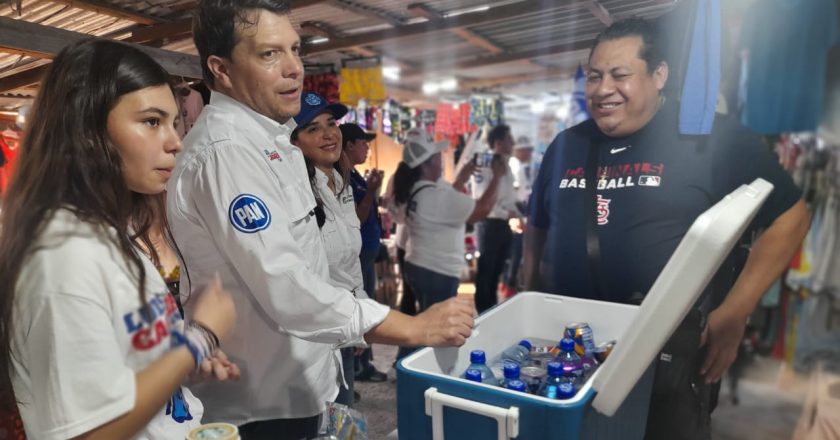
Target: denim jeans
{"x":430,"y":287}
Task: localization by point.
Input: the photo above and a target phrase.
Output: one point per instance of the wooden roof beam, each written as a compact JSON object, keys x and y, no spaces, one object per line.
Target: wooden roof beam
{"x":32,"y":39}
{"x":467,"y":35}
{"x":491,"y":15}
{"x":173,"y":30}
{"x":23,"y":79}
{"x":360,"y":9}
{"x":180,"y":29}
{"x":111,"y":11}
{"x":599,"y":11}
{"x":524,"y":55}
{"x":469,"y":85}
{"x":319,"y":29}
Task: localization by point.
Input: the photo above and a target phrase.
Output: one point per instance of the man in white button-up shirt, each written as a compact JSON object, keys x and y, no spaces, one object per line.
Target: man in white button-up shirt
{"x":240,"y":205}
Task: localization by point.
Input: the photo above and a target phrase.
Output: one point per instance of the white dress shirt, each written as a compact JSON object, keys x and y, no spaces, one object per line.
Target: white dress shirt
{"x":341,"y":234}
{"x":240,"y":204}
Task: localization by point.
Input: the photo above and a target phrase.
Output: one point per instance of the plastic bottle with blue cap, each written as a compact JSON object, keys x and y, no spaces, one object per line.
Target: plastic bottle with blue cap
{"x":519,"y":353}
{"x":516,"y":385}
{"x":473,"y":375}
{"x":569,"y":361}
{"x":478,"y":361}
{"x":556,"y":385}
{"x":510,"y":372}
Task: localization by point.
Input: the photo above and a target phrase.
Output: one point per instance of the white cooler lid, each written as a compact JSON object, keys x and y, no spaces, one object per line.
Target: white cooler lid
{"x":698,"y":256}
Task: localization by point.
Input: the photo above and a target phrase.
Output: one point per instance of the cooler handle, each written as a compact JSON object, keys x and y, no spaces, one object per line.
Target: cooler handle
{"x":506,"y":418}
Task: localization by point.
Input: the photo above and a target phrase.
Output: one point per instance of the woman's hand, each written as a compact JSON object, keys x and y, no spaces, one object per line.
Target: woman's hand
{"x":214,"y":309}
{"x":218,"y":367}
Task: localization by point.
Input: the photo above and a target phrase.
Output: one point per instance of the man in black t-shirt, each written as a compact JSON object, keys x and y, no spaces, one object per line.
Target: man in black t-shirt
{"x":652,"y":183}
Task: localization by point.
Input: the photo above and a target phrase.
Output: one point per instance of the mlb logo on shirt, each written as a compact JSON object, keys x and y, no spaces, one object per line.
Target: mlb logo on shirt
{"x":248,"y":214}
{"x":649,"y":180}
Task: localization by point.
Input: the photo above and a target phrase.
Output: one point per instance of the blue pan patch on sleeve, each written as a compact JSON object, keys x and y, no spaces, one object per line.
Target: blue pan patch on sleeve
{"x":248,"y":214}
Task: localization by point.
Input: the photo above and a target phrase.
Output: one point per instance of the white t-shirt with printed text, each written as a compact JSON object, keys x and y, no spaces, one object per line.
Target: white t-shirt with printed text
{"x":80,"y":336}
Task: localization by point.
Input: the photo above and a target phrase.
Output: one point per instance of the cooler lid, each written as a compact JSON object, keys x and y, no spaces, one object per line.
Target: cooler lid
{"x":693,"y":264}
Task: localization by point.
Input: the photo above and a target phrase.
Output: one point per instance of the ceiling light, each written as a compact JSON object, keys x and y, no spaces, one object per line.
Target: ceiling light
{"x":537,"y":107}
{"x":466,"y":11}
{"x":391,"y":72}
{"x":319,"y":40}
{"x":431,"y":88}
{"x":448,"y":84}
{"x":562,"y":112}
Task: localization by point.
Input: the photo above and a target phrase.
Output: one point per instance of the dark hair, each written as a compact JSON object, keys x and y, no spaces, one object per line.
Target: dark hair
{"x":67,"y":161}
{"x":651,"y":51}
{"x":344,"y":169}
{"x":215,"y":23}
{"x":498,"y":133}
{"x":404,"y":179}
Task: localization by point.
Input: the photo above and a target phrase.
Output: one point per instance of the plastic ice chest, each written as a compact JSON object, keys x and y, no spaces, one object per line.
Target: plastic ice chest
{"x":434,"y":403}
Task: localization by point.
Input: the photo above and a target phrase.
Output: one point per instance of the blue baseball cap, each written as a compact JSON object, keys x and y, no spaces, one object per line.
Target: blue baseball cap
{"x":312,"y":105}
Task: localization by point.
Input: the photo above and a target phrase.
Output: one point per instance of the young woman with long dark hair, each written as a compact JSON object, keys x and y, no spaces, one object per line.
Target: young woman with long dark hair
{"x":91,"y":343}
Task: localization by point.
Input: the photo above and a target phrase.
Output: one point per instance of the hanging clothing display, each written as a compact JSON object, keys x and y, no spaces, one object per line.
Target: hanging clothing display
{"x":486,"y":110}
{"x":190,"y":104}
{"x":453,"y":119}
{"x":10,"y":141}
{"x":362,"y":83}
{"x":324,"y":84}
{"x":785,"y":45}
{"x":813,"y":326}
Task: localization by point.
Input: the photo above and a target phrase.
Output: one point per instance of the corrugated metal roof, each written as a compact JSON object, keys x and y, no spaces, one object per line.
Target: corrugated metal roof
{"x":556,"y":22}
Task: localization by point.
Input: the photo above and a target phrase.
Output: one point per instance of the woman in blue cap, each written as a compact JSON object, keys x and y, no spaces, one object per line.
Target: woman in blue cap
{"x":319,"y":138}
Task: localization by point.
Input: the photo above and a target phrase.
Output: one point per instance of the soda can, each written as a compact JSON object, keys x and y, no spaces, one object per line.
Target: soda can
{"x":542,"y":355}
{"x":533,"y":377}
{"x":582,"y":335}
{"x":603,"y":350}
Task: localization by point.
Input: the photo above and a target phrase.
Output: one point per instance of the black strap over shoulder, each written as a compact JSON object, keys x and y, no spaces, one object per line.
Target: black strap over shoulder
{"x":408,"y":207}
{"x":590,"y":209}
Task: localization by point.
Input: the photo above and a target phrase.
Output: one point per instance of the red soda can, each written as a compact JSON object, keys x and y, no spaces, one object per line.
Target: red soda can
{"x":582,"y":335}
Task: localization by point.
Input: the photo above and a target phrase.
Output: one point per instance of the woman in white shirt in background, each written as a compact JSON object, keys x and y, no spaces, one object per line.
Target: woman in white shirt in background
{"x":436,"y":214}
{"x":93,"y":345}
{"x":319,"y":138}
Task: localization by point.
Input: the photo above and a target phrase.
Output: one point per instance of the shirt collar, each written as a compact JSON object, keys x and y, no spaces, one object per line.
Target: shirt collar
{"x":273,"y":128}
{"x":321,"y":178}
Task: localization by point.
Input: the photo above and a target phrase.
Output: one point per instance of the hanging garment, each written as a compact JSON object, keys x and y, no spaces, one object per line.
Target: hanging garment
{"x":786,"y":44}
{"x":702,"y":76}
{"x":324,"y":84}
{"x":362,"y":83}
{"x":190,"y":105}
{"x":10,"y":141}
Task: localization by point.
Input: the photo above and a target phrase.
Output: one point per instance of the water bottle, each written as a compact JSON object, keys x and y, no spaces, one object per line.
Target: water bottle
{"x":519,"y":353}
{"x":516,"y":385}
{"x":553,"y":381}
{"x":570,"y":361}
{"x":566,"y":389}
{"x":478,"y":361}
{"x":473,"y":375}
{"x":511,"y":372}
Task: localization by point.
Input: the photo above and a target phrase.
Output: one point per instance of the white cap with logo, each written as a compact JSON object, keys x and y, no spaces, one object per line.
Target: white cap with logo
{"x":419,"y":147}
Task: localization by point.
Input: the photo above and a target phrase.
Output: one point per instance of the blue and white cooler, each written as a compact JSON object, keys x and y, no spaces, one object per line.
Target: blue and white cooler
{"x":434,"y":402}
